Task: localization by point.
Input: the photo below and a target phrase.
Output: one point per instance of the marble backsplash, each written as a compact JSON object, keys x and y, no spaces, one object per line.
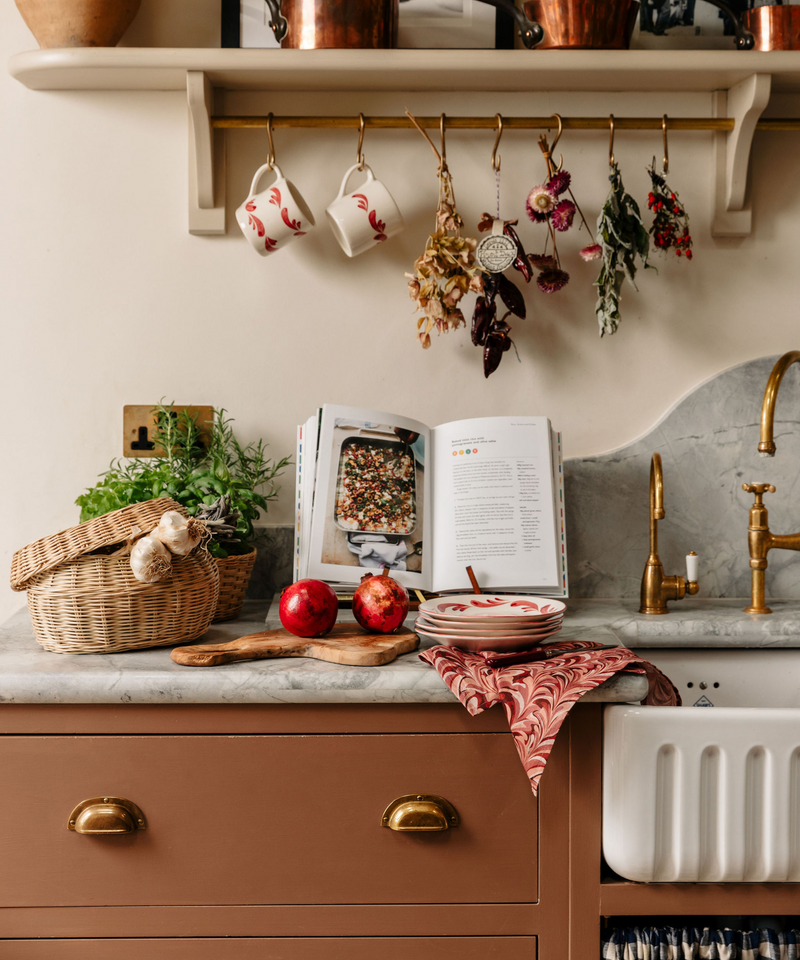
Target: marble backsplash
{"x":709,"y":446}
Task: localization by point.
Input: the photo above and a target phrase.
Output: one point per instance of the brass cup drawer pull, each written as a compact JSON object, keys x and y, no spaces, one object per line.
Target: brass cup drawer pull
{"x":420,"y":813}
{"x":106,"y":817}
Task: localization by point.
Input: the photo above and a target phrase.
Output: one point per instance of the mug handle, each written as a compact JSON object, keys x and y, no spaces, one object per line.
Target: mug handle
{"x":258,"y":174}
{"x":370,"y":178}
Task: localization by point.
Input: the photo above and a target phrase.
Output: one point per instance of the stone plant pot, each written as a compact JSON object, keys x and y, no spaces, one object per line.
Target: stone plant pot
{"x":78,"y":23}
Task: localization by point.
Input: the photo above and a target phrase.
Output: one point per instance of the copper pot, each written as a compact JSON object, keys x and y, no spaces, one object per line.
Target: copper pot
{"x":581,"y":24}
{"x":337,"y":24}
{"x":774,"y":27}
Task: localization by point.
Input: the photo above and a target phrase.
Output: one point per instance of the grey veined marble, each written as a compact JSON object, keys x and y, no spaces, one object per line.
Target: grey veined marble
{"x":29,"y":674}
{"x":709,"y":446}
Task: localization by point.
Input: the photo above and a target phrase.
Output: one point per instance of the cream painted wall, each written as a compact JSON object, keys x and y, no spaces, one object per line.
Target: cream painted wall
{"x":107,"y":300}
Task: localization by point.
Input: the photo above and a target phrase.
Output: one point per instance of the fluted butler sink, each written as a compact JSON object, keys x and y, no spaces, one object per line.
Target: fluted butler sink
{"x":708,"y":794}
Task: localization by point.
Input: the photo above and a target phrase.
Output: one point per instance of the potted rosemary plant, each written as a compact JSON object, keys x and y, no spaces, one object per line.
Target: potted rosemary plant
{"x":224,"y":483}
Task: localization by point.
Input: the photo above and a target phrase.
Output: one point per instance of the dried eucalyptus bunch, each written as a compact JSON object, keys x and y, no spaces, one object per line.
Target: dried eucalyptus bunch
{"x":623,"y":237}
{"x":447,"y":268}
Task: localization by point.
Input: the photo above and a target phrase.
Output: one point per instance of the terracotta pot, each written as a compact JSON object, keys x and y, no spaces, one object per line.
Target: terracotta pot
{"x":584,"y":24}
{"x":775,"y":28}
{"x":78,"y":23}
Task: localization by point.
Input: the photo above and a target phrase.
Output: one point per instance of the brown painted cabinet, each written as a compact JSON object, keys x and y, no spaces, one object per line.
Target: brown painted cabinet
{"x":263,"y":836}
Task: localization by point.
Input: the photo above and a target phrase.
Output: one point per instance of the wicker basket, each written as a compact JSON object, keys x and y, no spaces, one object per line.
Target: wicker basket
{"x":74,"y":542}
{"x":234,"y":576}
{"x":92,"y":603}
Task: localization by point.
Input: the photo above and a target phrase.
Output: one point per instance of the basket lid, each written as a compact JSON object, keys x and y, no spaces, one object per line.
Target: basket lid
{"x":115,"y":527}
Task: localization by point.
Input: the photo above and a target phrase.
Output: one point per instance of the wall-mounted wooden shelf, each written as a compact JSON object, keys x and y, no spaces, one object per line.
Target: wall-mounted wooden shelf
{"x":741,"y":83}
{"x":159,"y":68}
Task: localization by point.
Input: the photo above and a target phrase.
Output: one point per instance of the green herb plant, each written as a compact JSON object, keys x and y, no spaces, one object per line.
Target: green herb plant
{"x":194,"y":475}
{"x":623,"y":237}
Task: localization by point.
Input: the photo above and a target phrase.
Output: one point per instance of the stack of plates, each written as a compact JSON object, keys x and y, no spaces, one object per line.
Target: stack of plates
{"x":488,"y":622}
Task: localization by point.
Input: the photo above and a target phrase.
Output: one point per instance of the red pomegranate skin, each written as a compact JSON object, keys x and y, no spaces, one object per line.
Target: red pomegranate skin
{"x":309,"y":608}
{"x":380,"y":604}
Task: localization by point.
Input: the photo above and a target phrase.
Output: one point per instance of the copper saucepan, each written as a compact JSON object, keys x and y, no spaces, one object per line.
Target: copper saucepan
{"x":774,"y":27}
{"x":366,"y":24}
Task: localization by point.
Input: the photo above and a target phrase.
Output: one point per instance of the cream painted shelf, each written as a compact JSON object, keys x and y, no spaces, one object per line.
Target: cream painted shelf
{"x":159,"y":68}
{"x":741,"y":84}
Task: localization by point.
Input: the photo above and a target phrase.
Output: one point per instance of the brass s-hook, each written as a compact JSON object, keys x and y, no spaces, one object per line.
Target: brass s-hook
{"x":443,"y":153}
{"x":665,"y":169}
{"x":612,"y":162}
{"x":271,"y":154}
{"x":495,"y":158}
{"x":362,"y":123}
{"x":547,"y":150}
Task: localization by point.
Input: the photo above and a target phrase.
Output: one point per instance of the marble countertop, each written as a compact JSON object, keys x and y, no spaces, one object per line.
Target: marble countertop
{"x":29,"y":674}
{"x":691,"y":623}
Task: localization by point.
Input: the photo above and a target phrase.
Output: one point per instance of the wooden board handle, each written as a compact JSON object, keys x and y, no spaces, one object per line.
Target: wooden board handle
{"x":255,"y":646}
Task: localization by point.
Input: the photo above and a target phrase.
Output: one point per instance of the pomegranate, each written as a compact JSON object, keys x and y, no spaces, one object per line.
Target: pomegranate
{"x":309,"y":608}
{"x":380,"y":604}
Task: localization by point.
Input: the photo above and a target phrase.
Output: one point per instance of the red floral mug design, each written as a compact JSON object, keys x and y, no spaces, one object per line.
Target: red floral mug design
{"x":365,"y":218}
{"x":273,"y":218}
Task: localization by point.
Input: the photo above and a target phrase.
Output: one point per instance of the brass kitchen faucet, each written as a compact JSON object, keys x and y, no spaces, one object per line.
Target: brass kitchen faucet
{"x":656,"y":588}
{"x":759,"y":538}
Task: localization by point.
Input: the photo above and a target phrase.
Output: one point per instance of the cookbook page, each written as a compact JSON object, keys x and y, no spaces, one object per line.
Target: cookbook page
{"x":493,"y":504}
{"x":372,"y":490}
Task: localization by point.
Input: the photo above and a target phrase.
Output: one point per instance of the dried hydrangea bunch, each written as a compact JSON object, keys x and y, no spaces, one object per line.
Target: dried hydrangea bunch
{"x":446,"y":270}
{"x":622,"y":237}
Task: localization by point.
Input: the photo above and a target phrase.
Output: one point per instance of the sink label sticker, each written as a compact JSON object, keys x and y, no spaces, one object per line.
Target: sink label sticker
{"x":703,"y":702}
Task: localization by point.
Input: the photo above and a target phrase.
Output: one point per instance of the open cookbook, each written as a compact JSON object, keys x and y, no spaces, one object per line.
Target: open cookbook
{"x":379,"y":490}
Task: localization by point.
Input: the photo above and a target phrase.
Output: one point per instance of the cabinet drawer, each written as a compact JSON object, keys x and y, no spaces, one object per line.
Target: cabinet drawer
{"x":265,"y":820}
{"x":321,"y":948}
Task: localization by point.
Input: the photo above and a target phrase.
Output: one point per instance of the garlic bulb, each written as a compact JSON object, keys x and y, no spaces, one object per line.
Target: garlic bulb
{"x":178,"y":534}
{"x":150,"y":560}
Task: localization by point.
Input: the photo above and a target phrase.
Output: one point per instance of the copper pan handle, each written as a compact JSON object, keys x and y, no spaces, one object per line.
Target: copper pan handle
{"x":530,"y":32}
{"x":278,"y":22}
{"x":744,"y":39}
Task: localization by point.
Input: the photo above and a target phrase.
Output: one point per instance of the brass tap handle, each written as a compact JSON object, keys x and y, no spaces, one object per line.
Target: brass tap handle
{"x":420,"y":813}
{"x":759,"y":489}
{"x":106,"y":816}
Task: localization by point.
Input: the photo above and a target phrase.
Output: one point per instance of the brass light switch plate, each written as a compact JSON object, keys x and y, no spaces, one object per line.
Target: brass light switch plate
{"x":138,"y":425}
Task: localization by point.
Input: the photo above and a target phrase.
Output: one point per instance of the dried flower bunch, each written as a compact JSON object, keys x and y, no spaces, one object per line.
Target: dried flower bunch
{"x":487,"y":331}
{"x":670,"y":227}
{"x":546,"y":204}
{"x":622,"y":237}
{"x":447,"y":268}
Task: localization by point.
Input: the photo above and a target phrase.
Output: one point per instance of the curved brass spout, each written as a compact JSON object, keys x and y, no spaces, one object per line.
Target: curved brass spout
{"x":656,"y":501}
{"x":656,"y":588}
{"x":766,"y":447}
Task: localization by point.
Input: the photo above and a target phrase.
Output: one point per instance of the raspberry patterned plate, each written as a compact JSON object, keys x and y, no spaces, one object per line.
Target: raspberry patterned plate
{"x":469,"y":605}
{"x":480,"y":630}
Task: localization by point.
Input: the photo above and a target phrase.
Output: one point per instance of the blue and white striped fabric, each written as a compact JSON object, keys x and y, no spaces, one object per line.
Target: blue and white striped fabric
{"x":696,"y":943}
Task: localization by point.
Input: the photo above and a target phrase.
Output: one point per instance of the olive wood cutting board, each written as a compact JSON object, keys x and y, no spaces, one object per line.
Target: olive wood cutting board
{"x":347,"y":643}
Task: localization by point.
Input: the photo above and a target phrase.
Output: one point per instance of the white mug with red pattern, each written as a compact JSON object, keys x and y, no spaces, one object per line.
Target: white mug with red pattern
{"x":364,"y":218}
{"x":273,"y":218}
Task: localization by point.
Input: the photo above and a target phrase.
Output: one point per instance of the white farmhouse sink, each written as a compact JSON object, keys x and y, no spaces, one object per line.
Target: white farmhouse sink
{"x":708,"y":794}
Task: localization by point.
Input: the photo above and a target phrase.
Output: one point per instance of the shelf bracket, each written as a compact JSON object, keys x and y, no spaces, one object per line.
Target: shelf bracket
{"x":206,"y":157}
{"x":745,"y":102}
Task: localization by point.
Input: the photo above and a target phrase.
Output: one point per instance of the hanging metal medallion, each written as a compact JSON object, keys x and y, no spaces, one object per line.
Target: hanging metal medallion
{"x":497,"y":252}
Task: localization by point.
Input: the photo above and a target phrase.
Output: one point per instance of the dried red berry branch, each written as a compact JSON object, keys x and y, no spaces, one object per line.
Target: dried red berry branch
{"x":670,"y":227}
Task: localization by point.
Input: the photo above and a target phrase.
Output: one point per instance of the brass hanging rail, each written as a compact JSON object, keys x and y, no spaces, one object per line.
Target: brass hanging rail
{"x":478,"y":123}
{"x":510,"y":123}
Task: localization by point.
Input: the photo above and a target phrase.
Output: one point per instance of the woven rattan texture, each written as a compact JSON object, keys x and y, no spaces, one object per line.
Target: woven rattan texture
{"x":234,"y":576}
{"x":58,"y":548}
{"x":94,"y":604}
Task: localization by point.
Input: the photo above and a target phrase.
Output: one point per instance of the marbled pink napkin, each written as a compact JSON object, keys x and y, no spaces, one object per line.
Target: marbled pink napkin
{"x":538,"y":696}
